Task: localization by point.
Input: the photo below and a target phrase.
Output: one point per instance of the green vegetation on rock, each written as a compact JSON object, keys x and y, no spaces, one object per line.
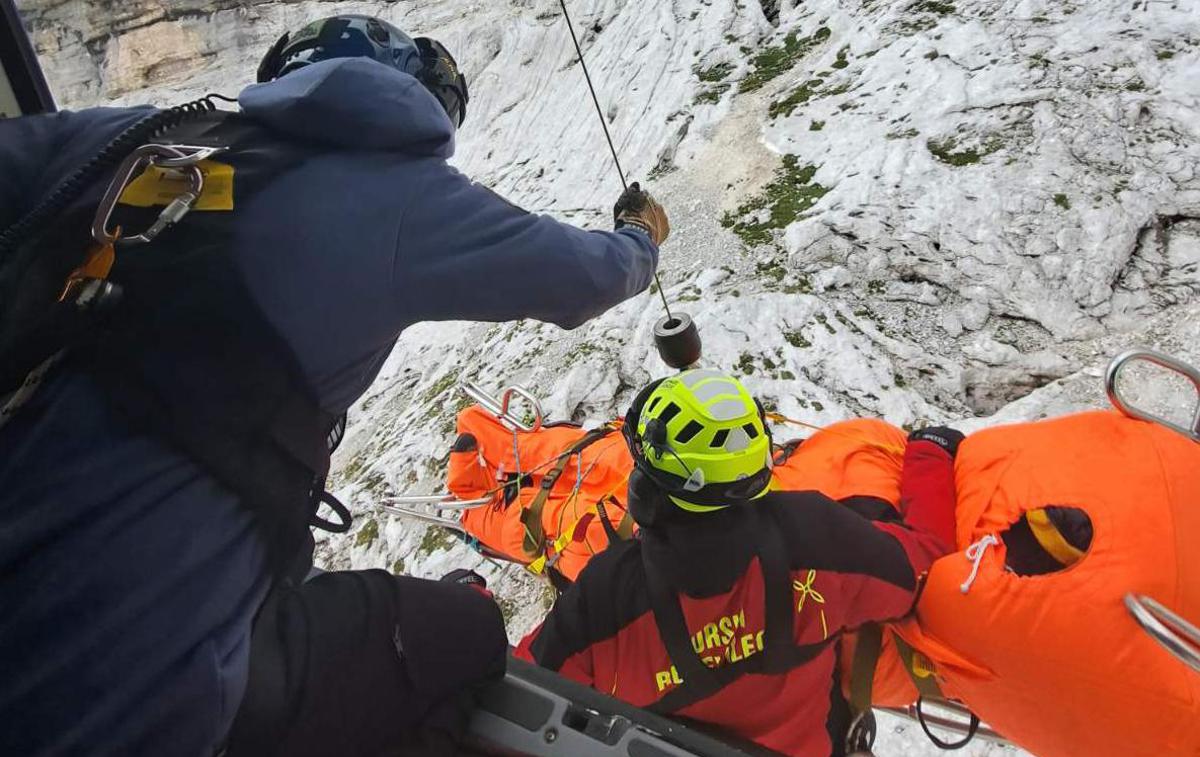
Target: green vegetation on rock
{"x":367,"y":535}
{"x":934,"y":6}
{"x":1061,"y":201}
{"x":789,"y":194}
{"x":716,"y":73}
{"x":809,"y":90}
{"x":777,"y":60}
{"x":950,"y":152}
{"x":436,"y":538}
{"x":712,"y":94}
{"x":796,"y":339}
{"x":841,"y":61}
{"x":439,"y":387}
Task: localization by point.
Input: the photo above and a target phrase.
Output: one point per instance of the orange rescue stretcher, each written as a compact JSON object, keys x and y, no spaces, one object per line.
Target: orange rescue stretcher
{"x":1081,"y":660}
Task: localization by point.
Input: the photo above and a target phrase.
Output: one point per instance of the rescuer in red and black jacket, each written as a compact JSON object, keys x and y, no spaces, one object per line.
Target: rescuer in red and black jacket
{"x":729,"y":607}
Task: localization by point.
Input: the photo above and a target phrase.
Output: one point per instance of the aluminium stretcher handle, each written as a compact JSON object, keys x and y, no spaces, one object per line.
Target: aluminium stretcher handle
{"x":500,"y":407}
{"x":1118,"y":400}
{"x":1178,"y":636}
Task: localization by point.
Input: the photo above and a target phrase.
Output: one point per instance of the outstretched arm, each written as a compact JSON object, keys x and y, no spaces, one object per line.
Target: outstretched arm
{"x":561,"y":642}
{"x":466,"y":253}
{"x":873,"y":567}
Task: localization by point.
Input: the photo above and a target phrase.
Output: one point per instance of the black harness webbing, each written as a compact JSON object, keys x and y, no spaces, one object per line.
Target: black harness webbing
{"x":534,"y":543}
{"x":780,"y":652}
{"x":186,"y":354}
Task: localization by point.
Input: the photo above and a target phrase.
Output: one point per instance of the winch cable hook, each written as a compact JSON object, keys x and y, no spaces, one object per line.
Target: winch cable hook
{"x":677,"y":339}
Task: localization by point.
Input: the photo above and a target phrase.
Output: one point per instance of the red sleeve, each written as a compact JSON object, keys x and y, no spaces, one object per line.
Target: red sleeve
{"x":550,"y":634}
{"x":927,"y":497}
{"x":523,"y":650}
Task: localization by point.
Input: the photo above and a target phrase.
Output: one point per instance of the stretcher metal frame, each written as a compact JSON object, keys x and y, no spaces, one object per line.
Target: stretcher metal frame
{"x":500,"y":407}
{"x":1118,"y":400}
{"x":444,"y":509}
{"x":1176,"y":635}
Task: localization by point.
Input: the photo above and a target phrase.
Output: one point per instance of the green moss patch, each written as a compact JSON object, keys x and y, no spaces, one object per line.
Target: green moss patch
{"x":746,"y":364}
{"x":775,"y":61}
{"x":367,"y":535}
{"x":710,"y":95}
{"x":436,"y":538}
{"x":810,"y":90}
{"x":440,"y":387}
{"x":796,"y":339}
{"x":934,"y":6}
{"x":951,"y":152}
{"x":789,"y":194}
{"x":716,"y":73}
{"x":1062,"y":201}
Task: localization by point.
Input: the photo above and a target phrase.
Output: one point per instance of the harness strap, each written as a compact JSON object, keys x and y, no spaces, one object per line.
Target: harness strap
{"x":777,"y":585}
{"x":919,"y":669}
{"x":862,"y":668}
{"x":700,"y":680}
{"x":860,"y":736}
{"x":780,"y":652}
{"x":534,"y":543}
{"x":623,"y":531}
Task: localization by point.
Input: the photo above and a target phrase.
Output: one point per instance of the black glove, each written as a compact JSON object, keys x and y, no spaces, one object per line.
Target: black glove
{"x":639,"y":209}
{"x":467,"y":578}
{"x":943,"y":436}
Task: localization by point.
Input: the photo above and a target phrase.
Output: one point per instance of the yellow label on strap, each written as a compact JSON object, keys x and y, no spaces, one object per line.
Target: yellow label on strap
{"x":159,"y":186}
{"x":922,"y":667}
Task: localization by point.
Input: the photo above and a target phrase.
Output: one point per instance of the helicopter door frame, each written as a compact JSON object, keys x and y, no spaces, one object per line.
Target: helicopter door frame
{"x":23,"y":88}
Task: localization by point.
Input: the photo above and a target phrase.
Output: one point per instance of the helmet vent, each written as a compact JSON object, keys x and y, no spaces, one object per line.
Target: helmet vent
{"x":669,"y":412}
{"x":653,"y":404}
{"x":750,"y":430}
{"x":688,"y":432}
{"x":719,"y":438}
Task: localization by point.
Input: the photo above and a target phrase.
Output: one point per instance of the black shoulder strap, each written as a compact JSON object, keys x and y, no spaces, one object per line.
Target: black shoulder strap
{"x":189,"y":357}
{"x":701,"y":681}
{"x":780,"y":652}
{"x":778,"y":643}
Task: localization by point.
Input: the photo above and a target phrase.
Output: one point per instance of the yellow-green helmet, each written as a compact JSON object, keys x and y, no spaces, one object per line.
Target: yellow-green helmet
{"x":700,"y":436}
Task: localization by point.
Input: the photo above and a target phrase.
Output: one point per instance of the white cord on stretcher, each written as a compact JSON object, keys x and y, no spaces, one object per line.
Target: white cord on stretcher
{"x":975,"y":554}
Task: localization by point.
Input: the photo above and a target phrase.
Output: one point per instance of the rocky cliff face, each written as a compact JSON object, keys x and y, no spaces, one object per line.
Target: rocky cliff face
{"x":924,"y":210}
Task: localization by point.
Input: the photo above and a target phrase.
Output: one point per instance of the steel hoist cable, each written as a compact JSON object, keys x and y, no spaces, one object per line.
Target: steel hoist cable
{"x":607,"y":135}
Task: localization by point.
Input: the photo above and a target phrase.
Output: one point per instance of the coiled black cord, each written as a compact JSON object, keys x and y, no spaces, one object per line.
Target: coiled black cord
{"x":69,"y":189}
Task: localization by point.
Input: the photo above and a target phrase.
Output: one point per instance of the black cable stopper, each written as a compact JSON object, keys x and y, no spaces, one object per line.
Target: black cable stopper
{"x":678,"y":340}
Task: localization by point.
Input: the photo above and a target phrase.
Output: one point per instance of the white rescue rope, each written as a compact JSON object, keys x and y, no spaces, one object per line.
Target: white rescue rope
{"x":975,"y":554}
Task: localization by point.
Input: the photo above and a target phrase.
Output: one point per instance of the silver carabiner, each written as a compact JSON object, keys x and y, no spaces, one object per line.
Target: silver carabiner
{"x":1118,"y":401}
{"x":170,"y":156}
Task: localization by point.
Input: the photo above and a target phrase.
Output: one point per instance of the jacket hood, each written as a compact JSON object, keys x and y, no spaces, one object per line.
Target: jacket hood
{"x":355,"y":103}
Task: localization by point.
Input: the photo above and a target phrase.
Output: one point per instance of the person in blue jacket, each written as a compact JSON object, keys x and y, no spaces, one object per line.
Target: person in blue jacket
{"x":130,"y":579}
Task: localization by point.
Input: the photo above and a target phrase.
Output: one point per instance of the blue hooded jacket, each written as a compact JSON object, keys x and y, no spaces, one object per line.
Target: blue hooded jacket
{"x":129,"y":579}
